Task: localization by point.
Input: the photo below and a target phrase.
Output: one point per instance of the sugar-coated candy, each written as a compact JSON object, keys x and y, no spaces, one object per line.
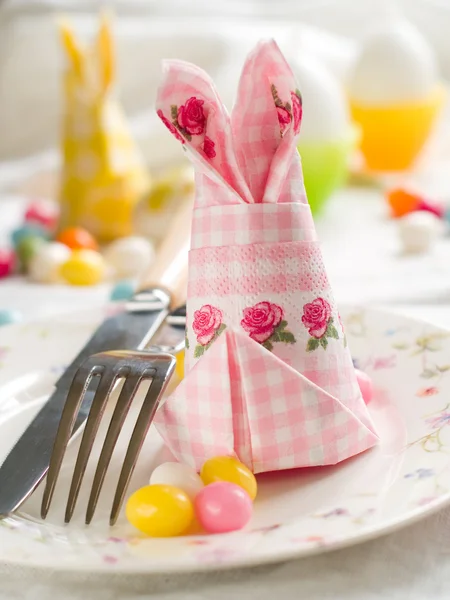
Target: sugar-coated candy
{"x":227,"y":468}
{"x":418,"y":231}
{"x":123,"y":290}
{"x":365,"y":385}
{"x":84,"y":267}
{"x":404,"y":202}
{"x":160,"y":510}
{"x":27,"y":248}
{"x":7,"y":262}
{"x":46,"y":264}
{"x":77,"y":238}
{"x":178,"y":475}
{"x":130,"y":256}
{"x":28,"y":230}
{"x":179,"y":367}
{"x":223,"y":506}
{"x":44,"y":213}
{"x":9,"y":315}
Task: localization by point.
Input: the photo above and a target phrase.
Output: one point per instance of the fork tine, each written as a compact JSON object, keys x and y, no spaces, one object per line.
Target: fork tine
{"x":124,"y":401}
{"x":161,"y":377}
{"x":77,"y":390}
{"x":107,"y":380}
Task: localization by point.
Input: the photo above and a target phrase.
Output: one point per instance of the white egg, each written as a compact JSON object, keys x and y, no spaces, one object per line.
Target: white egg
{"x":179,"y":475}
{"x":130,"y":256}
{"x":418,"y":231}
{"x":325,"y":111}
{"x":46,"y":263}
{"x":395,"y":64}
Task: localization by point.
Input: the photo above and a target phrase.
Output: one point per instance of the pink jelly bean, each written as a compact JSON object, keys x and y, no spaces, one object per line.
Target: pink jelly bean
{"x":365,"y":385}
{"x":44,"y":213}
{"x":223,"y":506}
{"x":7,"y":262}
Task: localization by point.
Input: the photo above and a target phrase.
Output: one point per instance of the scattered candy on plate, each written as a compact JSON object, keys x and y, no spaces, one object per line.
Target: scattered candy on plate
{"x":9,"y":315}
{"x":44,"y":213}
{"x":178,"y":475}
{"x":77,"y":238}
{"x":130,"y":256}
{"x":7,"y":262}
{"x":160,"y":510}
{"x":403,"y":202}
{"x":227,"y":468}
{"x":365,"y":385}
{"x":223,"y":506}
{"x":418,"y":231}
{"x":83,"y":267}
{"x":45,"y":265}
{"x":123,"y":290}
{"x":28,"y":230}
{"x":27,"y":248}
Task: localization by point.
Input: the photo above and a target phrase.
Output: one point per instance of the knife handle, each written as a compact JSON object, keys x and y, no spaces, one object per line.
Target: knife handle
{"x":169,"y":271}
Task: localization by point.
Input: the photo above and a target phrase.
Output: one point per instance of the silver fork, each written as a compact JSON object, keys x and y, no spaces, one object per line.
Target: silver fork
{"x":108,"y":368}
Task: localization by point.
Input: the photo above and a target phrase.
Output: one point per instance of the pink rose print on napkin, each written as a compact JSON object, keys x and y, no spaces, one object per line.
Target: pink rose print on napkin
{"x":208,"y":147}
{"x":170,"y":126}
{"x":284,"y":118}
{"x":264,"y":323}
{"x":318,"y":321}
{"x":191,"y":117}
{"x":288,"y":111}
{"x":207,"y":326}
{"x":297,"y":109}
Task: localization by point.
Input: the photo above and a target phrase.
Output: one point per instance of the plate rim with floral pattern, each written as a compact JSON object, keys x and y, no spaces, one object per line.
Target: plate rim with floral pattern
{"x":385,"y":345}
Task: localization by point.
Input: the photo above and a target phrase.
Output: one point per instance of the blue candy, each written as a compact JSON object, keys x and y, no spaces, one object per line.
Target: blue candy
{"x":9,"y":315}
{"x":123,"y":290}
{"x":28,"y":230}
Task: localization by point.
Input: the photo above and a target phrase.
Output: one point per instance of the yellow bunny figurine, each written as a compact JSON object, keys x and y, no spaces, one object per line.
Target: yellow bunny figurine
{"x":103,"y":174}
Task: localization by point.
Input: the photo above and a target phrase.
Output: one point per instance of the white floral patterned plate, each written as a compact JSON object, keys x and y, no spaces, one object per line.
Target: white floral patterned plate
{"x":297,"y":513}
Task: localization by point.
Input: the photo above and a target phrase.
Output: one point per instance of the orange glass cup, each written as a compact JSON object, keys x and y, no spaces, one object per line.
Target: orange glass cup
{"x":393,"y":136}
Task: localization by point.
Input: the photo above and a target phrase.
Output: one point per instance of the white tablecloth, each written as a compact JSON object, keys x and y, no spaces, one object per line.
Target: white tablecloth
{"x":364,"y":262}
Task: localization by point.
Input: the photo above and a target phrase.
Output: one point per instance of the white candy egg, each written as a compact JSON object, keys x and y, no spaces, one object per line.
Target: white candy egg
{"x":46,"y":263}
{"x":395,"y":64}
{"x":325,"y":111}
{"x":418,"y":230}
{"x":130,"y":256}
{"x":178,"y":475}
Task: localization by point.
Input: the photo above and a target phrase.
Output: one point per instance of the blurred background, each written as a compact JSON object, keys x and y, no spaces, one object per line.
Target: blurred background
{"x":216,"y":35}
{"x":375,"y":138}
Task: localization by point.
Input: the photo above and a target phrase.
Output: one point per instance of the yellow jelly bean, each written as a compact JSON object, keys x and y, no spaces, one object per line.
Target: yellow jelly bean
{"x":160,"y":510}
{"x":179,"y":369}
{"x":83,"y":267}
{"x":227,"y":468}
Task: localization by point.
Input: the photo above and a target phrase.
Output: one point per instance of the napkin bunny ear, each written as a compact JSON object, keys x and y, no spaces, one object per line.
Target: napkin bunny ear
{"x":74,"y":52}
{"x":266,"y":122}
{"x":189,"y":106}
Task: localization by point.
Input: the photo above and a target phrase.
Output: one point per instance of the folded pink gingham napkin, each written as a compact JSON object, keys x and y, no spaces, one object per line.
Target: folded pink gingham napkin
{"x":269,"y":374}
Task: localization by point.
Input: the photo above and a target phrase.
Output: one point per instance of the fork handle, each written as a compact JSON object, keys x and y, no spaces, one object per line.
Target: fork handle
{"x":169,"y":270}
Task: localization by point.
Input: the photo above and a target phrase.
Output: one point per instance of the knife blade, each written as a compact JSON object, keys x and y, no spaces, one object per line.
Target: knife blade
{"x":27,"y":462}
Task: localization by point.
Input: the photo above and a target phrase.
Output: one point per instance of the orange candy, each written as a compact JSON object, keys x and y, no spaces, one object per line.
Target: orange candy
{"x":402,"y":202}
{"x":77,"y":238}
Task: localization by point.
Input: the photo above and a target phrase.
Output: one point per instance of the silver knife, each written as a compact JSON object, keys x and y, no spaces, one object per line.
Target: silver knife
{"x":28,"y":461}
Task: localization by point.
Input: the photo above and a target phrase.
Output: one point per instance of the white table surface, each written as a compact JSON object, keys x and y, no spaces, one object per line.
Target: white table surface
{"x":364,"y":262}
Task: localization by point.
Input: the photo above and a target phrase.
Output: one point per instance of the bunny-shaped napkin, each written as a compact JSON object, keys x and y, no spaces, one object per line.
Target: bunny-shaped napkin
{"x":103,"y":173}
{"x":269,"y":374}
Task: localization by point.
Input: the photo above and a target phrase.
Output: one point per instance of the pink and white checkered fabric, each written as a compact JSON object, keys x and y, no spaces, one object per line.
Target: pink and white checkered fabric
{"x":240,"y":224}
{"x":260,"y":410}
{"x":269,"y":375}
